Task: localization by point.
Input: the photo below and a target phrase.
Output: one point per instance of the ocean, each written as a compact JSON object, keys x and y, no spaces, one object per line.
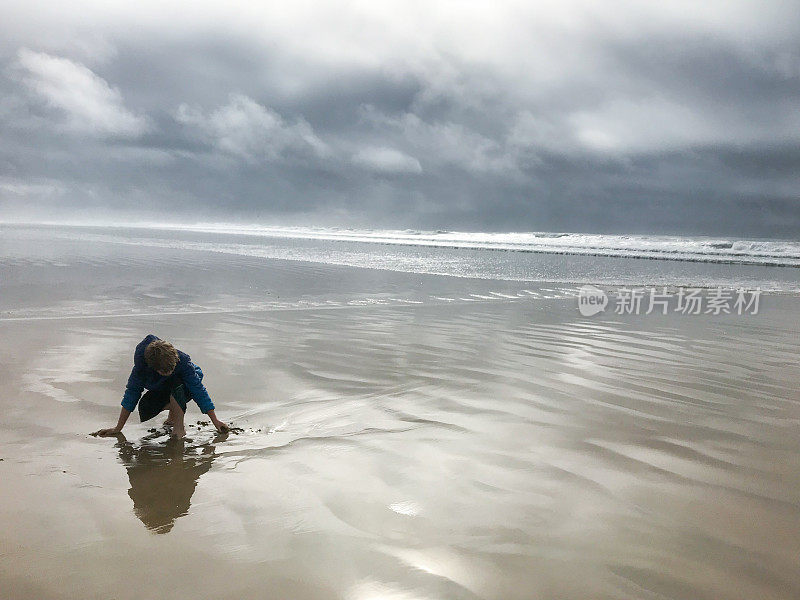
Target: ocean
{"x":31,"y":254}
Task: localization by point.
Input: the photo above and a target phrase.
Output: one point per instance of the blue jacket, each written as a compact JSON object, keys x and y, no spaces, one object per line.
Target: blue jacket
{"x":143,"y":376}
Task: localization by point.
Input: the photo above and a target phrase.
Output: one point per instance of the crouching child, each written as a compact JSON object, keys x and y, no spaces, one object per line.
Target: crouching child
{"x":172,"y":379}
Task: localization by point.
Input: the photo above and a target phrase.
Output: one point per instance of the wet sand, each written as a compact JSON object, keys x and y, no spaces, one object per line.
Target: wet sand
{"x":436,"y":438}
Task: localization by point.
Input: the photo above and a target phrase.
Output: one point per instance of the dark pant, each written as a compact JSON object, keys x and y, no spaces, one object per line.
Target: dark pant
{"x":154,"y":401}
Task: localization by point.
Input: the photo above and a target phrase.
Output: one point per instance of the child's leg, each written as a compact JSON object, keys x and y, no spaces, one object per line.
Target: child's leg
{"x":174,"y":414}
{"x":176,"y":418}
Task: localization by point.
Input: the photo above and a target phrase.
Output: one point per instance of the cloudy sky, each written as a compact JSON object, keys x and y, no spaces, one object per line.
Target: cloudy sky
{"x":647,"y":117}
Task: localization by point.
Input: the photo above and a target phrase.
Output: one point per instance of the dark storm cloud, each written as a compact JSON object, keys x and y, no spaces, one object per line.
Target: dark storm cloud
{"x":545,"y":116}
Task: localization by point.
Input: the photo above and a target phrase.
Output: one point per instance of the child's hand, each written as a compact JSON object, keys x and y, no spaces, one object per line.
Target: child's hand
{"x":221,"y":427}
{"x":107,"y":432}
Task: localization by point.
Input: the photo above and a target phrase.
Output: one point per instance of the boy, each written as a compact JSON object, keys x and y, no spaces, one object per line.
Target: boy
{"x":172,"y":379}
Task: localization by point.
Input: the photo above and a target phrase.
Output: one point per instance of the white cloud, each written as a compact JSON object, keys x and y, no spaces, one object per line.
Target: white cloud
{"x":646,"y":124}
{"x":10,"y":187}
{"x":85,"y":101}
{"x":445,"y":142}
{"x":386,"y":160}
{"x":248,"y":130}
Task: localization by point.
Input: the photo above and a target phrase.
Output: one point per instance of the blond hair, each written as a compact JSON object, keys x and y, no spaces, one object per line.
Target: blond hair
{"x":161,"y":355}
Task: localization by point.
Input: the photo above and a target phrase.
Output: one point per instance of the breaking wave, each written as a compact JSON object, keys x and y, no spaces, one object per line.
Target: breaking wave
{"x":784,"y":253}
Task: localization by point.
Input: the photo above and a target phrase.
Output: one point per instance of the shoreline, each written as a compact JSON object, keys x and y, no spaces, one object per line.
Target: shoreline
{"x":733,"y":259}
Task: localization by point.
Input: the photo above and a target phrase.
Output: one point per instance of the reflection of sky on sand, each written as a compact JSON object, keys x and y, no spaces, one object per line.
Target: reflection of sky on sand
{"x":79,"y":359}
{"x":375,"y":590}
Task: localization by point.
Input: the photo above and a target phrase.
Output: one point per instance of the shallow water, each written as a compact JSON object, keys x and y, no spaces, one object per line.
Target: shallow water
{"x":492,"y":443}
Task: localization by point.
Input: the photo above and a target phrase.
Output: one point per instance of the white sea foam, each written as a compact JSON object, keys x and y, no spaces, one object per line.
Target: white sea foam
{"x":565,"y":258}
{"x":686,"y":248}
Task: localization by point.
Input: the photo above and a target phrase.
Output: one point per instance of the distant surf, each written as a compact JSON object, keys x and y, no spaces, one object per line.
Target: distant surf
{"x":558,"y":258}
{"x":781,"y":253}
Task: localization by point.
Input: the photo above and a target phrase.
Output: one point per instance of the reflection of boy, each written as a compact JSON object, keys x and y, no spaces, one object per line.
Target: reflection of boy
{"x":163,"y":479}
{"x":172,"y":379}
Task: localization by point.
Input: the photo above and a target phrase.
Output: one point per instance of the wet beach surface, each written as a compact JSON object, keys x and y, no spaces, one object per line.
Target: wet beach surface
{"x":401,"y":436}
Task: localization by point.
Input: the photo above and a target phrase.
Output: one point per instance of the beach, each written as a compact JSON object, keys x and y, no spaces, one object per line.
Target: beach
{"x":403,"y":432}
